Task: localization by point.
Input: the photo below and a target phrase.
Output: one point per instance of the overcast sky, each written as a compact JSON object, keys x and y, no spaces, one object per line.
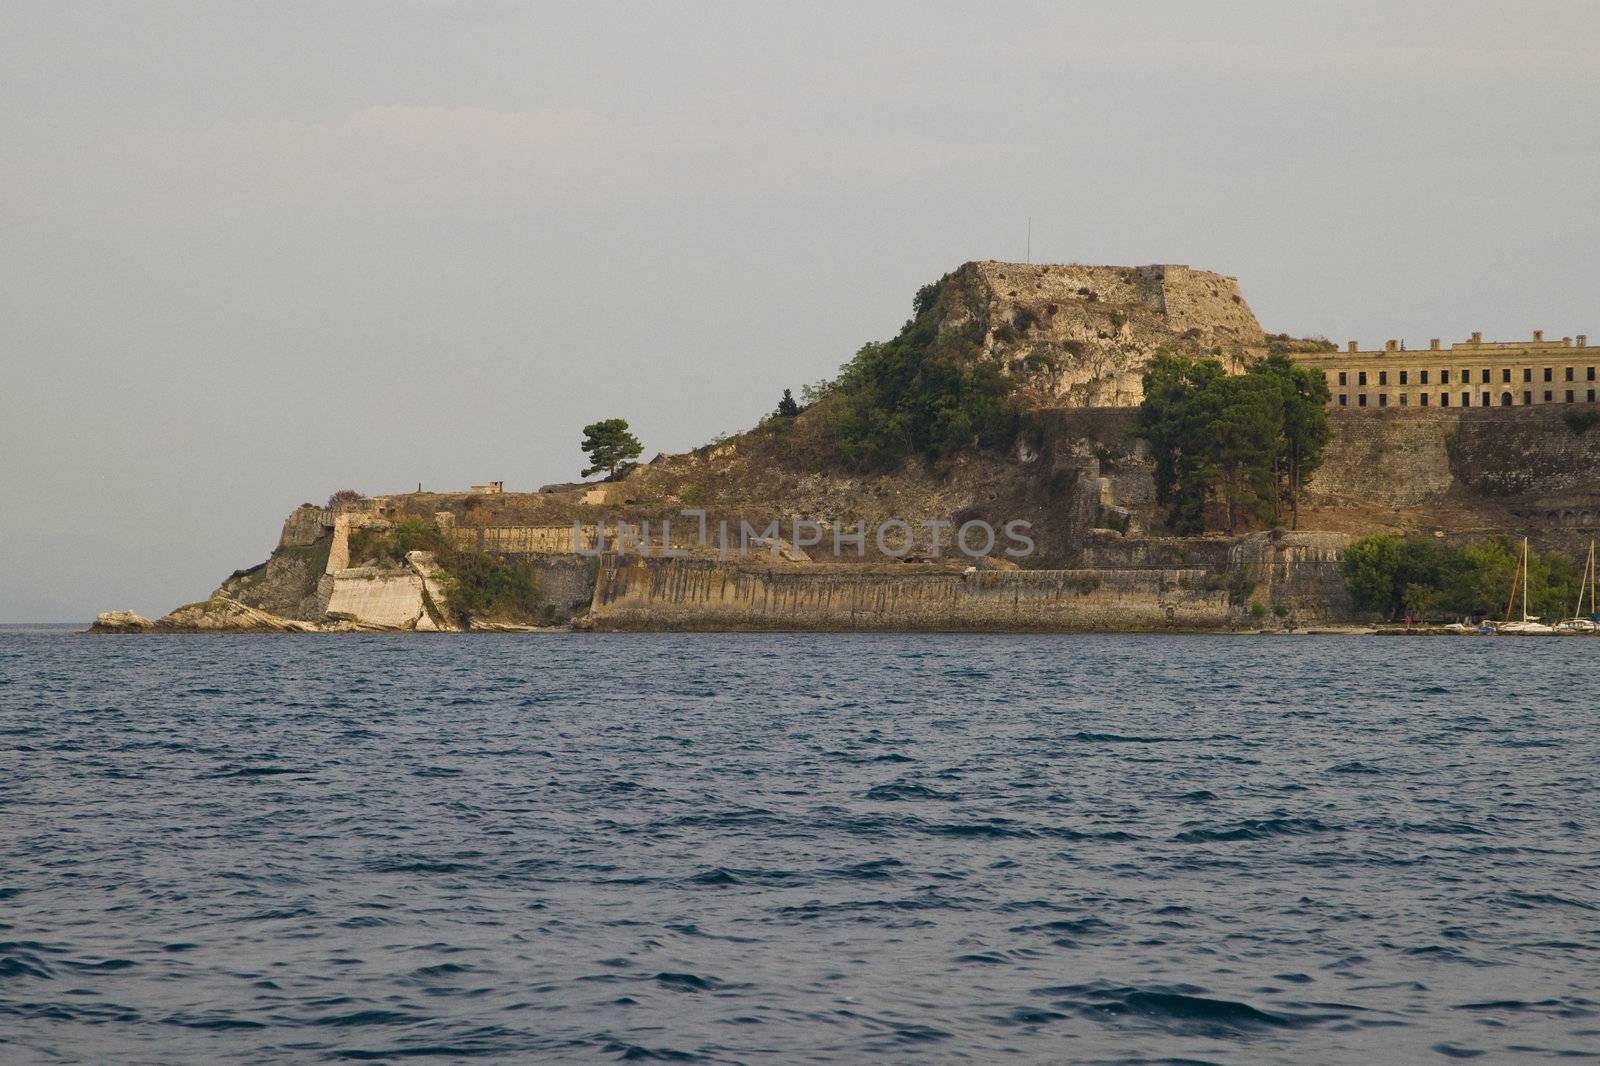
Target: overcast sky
{"x":251,"y":253}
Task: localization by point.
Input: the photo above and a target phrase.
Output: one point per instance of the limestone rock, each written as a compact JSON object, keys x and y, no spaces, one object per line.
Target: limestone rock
{"x":220,"y":614}
{"x":121,"y":622}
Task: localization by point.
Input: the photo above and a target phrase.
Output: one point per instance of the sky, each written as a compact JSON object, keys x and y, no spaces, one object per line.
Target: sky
{"x":254,"y":252}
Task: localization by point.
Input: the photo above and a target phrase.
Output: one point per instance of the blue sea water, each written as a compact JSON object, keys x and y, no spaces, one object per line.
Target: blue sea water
{"x":797,"y":848}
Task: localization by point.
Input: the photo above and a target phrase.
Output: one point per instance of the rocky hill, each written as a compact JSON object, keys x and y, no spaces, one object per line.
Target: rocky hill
{"x":1098,"y":325}
{"x":1073,"y":473}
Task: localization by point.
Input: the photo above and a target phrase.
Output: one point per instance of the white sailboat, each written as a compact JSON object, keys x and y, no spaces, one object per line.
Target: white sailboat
{"x":1529,"y":625}
{"x":1578,"y":623}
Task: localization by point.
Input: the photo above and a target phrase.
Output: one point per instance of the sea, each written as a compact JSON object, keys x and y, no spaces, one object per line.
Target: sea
{"x":738,"y":848}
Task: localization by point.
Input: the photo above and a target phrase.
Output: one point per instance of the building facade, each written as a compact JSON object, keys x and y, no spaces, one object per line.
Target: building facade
{"x":1474,"y":373}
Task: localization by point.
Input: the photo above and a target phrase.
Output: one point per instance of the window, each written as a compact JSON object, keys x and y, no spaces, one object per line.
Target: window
{"x":1505,"y":376}
{"x":1383,"y":377}
{"x":1422,"y":377}
{"x":1361,"y":401}
{"x":1361,"y":378}
{"x":1422,"y":399}
{"x":1484,"y":401}
{"x":1444,"y":377}
{"x":1383,"y":399}
{"x":1547,"y":376}
{"x":1527,"y":399}
{"x":1466,"y":399}
{"x":1569,"y":373}
{"x":1505,"y":399}
{"x":1402,"y":396}
{"x":1444,"y":399}
{"x":1486,"y":375}
{"x":1548,"y":396}
{"x":1591,"y":373}
{"x":1342,"y":377}
{"x":1569,"y":395}
{"x":1591,"y":396}
{"x":1344,"y":401}
{"x":1527,"y":373}
{"x":1402,"y":377}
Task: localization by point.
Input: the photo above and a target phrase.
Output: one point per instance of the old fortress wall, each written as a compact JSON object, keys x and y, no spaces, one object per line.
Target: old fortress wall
{"x":691,"y":594}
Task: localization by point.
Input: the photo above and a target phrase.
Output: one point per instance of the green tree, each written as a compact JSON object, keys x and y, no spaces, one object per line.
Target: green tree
{"x":1213,"y":437}
{"x":608,"y":445}
{"x":787,"y":406}
{"x":930,"y":391}
{"x":1372,"y":574}
{"x":1249,"y":417}
{"x":1303,"y":442}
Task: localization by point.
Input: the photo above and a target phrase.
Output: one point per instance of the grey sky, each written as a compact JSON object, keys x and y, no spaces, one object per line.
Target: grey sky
{"x":251,"y":253}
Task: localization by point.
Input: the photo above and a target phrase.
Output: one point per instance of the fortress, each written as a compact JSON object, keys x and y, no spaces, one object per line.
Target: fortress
{"x":1459,"y":442}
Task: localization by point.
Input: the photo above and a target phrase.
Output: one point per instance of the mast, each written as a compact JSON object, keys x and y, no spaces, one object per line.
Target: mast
{"x":1591,"y":575}
{"x":1524,"y":579}
{"x":1511,"y":600}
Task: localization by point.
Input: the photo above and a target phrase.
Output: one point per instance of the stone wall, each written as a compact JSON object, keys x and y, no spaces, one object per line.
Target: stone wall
{"x":567,"y":583}
{"x":305,"y":525}
{"x":1527,"y":459}
{"x":696,"y":594}
{"x":381,"y":598}
{"x":1302,"y":572}
{"x":526,"y":540}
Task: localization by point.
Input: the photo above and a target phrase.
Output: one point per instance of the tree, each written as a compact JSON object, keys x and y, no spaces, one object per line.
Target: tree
{"x":1211,"y":435}
{"x":608,"y":445}
{"x":930,"y":391}
{"x":1249,"y":416}
{"x":1303,"y":442}
{"x":1372,"y":574}
{"x":343,"y":496}
{"x":788,"y":407}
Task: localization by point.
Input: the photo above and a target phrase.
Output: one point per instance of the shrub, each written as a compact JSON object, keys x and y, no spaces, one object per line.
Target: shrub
{"x":343,"y":496}
{"x":483,"y":586}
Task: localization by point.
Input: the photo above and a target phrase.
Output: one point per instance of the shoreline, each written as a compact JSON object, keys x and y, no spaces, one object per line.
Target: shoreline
{"x":157,"y":630}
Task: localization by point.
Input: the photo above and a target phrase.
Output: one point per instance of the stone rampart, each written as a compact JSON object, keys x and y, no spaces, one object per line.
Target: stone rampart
{"x":1519,"y":457}
{"x":305,"y":525}
{"x":694,"y":594}
{"x":379,"y":598}
{"x":526,"y":540}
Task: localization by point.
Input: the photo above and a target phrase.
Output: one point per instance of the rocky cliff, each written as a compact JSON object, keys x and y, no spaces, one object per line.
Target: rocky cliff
{"x":1099,"y":325}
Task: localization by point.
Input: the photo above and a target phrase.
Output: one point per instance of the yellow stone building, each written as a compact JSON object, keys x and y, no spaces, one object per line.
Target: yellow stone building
{"x":1474,"y":373}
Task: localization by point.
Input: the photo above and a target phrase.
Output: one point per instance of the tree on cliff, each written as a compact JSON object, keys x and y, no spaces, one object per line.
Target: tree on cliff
{"x":1248,"y":441}
{"x":1303,"y":441}
{"x":608,"y":445}
{"x":788,"y":406}
{"x":1212,"y":436}
{"x":929,"y":391}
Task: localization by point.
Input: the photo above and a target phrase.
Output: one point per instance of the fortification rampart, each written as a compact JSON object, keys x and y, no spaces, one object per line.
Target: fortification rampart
{"x":526,"y":540}
{"x":694,"y":594}
{"x":305,"y":525}
{"x":1530,"y":460}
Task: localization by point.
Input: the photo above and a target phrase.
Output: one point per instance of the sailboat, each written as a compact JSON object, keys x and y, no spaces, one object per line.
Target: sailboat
{"x":1529,"y":625}
{"x":1578,"y":623}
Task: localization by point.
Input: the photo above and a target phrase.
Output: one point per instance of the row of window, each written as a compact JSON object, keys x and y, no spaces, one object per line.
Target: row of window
{"x":1484,"y":399}
{"x":1466,"y":376}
